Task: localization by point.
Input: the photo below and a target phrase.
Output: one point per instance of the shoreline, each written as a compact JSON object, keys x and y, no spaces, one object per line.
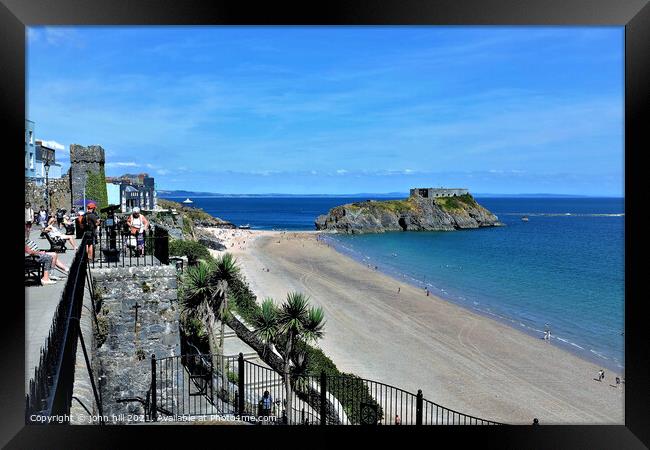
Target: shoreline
{"x":461,"y":359}
{"x":589,"y":356}
{"x":556,"y":341}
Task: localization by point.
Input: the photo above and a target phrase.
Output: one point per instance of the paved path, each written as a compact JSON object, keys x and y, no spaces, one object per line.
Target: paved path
{"x":40,"y":306}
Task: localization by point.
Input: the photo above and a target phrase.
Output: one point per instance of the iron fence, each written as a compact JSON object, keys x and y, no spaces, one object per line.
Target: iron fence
{"x":198,"y":384}
{"x":50,"y":389}
{"x":117,"y":247}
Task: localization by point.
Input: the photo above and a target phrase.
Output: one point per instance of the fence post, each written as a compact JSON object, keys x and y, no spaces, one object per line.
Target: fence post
{"x":323,"y":398}
{"x":240,"y":382}
{"x":418,"y":408}
{"x":154,"y":406}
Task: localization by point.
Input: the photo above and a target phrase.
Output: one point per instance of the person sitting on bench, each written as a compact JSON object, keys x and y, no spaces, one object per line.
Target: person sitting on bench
{"x":56,"y":235}
{"x":68,"y":224}
{"x":33,"y":246}
{"x":48,"y":260}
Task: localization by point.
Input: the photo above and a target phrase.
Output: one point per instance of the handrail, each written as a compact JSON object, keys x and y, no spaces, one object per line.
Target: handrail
{"x":346,"y":396}
{"x":50,"y":390}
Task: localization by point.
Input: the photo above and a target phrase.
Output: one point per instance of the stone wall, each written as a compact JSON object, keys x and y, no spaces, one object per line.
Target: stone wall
{"x":59,"y":189}
{"x":439,"y":192}
{"x":83,"y":160}
{"x":125,"y":356}
{"x":82,"y":389}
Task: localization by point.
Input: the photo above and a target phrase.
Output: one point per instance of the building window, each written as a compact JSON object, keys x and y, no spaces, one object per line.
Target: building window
{"x":31,"y":161}
{"x":31,"y":137}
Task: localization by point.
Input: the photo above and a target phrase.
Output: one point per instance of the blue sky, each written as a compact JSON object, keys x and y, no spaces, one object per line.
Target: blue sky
{"x":338,"y":109}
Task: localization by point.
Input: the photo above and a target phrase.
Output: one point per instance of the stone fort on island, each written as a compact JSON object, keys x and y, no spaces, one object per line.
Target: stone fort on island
{"x":438,"y":192}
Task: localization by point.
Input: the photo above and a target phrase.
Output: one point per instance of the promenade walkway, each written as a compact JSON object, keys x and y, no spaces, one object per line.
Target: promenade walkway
{"x":40,"y":306}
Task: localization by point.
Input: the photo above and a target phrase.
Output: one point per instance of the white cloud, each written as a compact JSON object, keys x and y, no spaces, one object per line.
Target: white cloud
{"x":162,"y":172}
{"x":341,"y":171}
{"x":53,"y":144}
{"x":122,"y":164}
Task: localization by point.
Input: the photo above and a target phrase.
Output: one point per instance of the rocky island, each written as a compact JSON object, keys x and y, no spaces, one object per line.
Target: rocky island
{"x":426,"y":209}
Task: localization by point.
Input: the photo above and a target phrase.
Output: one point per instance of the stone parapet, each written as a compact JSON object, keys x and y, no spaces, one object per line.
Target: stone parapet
{"x":125,"y":356}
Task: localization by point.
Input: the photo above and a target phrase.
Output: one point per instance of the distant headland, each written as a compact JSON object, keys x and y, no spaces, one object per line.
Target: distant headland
{"x":426,"y":209}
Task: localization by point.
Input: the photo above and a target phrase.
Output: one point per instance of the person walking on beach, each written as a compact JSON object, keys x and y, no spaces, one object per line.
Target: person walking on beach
{"x":399,"y":289}
{"x":600,"y":375}
{"x":618,"y":381}
{"x":29,"y":218}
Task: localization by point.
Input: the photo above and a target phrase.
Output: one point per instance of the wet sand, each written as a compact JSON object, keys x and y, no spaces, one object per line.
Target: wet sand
{"x":461,"y":360}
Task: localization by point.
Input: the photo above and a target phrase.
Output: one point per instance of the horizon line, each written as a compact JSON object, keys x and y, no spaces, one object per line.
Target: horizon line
{"x":358,"y":194}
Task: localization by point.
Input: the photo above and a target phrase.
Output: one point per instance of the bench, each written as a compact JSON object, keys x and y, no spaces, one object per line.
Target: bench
{"x":34,"y":270}
{"x":56,"y":244}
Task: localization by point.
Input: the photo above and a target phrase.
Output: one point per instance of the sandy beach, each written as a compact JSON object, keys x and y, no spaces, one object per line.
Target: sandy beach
{"x":458,"y":358}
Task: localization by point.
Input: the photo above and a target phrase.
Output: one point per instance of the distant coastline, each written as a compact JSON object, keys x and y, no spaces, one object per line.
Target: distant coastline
{"x":177,"y":194}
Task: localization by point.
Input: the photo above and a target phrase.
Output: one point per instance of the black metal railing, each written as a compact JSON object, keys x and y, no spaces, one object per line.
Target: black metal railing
{"x":199,"y":384}
{"x":50,"y":389}
{"x":117,"y":247}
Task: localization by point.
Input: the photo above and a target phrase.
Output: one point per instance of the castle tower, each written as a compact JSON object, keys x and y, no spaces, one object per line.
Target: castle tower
{"x":83,"y":160}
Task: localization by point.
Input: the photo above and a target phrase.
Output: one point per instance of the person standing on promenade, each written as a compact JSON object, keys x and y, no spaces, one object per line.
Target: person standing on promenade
{"x":138,"y":224}
{"x":91,"y":222}
{"x":398,"y":421}
{"x":42,"y":217}
{"x":29,"y":218}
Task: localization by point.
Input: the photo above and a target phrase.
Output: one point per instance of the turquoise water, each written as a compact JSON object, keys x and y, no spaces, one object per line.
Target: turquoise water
{"x":564,"y":267}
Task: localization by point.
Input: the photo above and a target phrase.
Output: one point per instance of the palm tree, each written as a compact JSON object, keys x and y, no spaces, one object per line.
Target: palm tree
{"x":297,"y":322}
{"x":224,"y":271}
{"x":266,"y":324}
{"x":198,"y":294}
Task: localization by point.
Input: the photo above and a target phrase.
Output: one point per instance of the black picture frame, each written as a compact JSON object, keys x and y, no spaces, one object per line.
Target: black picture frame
{"x":633,"y":14}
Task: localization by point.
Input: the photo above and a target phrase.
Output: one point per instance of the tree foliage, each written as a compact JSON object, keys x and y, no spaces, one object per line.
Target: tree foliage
{"x":193,"y":250}
{"x":96,"y":188}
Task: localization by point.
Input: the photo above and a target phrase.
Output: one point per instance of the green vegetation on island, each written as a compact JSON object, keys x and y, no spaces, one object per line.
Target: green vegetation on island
{"x":432,"y":212}
{"x":456,"y":203}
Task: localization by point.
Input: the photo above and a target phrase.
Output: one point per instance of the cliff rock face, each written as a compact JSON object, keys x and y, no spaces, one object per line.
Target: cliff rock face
{"x":412,"y":214}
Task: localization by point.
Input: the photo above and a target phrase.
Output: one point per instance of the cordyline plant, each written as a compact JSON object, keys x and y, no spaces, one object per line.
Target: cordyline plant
{"x":284,"y":327}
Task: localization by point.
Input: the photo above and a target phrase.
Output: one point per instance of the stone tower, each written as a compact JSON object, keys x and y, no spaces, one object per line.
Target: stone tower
{"x":82,"y":161}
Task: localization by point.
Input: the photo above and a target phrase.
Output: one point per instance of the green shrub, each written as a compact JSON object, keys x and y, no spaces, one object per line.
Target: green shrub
{"x":192,"y":249}
{"x":245,"y":301}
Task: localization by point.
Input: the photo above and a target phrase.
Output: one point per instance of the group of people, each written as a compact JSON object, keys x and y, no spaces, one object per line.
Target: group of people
{"x":86,"y":222}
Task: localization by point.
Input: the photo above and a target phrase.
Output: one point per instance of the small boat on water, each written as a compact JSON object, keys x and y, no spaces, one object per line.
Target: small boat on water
{"x":524,"y":219}
{"x":244,"y":227}
{"x":187,"y":201}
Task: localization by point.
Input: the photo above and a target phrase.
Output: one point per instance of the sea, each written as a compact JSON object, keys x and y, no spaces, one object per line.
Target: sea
{"x":563,"y":270}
